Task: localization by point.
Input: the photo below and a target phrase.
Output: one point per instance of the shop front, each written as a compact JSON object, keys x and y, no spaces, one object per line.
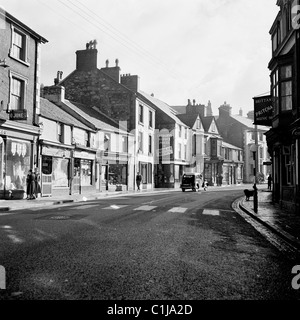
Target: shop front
{"x":16,"y":156}
{"x":84,"y":172}
{"x":55,"y":170}
{"x":114,"y":172}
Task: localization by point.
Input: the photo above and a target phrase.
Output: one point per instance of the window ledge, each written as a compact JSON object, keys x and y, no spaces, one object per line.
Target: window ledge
{"x":27,"y":64}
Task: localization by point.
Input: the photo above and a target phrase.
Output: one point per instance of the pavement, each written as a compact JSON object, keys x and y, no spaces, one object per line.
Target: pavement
{"x":285,"y":224}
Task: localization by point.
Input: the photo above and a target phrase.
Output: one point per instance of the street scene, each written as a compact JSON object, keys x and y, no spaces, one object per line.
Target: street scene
{"x":176,"y":182}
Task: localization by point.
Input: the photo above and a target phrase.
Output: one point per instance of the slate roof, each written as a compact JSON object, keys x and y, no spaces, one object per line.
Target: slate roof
{"x":247,"y":122}
{"x":188,"y":119}
{"x":162,"y":106}
{"x":98,"y":119}
{"x":51,"y":111}
{"x":231,"y":146}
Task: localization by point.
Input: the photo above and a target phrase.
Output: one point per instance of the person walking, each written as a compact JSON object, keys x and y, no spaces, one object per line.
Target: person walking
{"x":270,"y":182}
{"x":138,"y":180}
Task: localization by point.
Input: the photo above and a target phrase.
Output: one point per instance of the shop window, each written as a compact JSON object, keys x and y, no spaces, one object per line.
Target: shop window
{"x":46,"y":165}
{"x":17,"y":164}
{"x":144,"y":172}
{"x":118,"y":174}
{"x":86,"y":172}
{"x":60,"y":172}
{"x":149,"y":172}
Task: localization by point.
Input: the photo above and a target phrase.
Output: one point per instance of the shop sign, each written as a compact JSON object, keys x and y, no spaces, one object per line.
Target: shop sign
{"x":18,"y":114}
{"x":164,"y":151}
{"x":263,"y":110}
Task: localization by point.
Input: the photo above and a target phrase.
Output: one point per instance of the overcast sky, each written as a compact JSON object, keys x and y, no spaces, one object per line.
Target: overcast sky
{"x":215,"y":50}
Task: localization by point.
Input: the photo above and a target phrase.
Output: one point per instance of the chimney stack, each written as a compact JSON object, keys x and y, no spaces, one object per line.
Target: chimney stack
{"x":113,"y":72}
{"x":131,"y":82}
{"x":225,"y":110}
{"x":87,"y":59}
{"x":54,"y":94}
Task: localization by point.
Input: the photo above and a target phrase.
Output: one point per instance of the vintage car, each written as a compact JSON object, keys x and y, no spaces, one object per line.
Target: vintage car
{"x":191,"y":181}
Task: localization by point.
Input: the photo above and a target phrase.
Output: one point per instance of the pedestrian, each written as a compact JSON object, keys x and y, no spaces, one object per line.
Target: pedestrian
{"x":205,"y":185}
{"x":270,"y":182}
{"x":30,"y":183}
{"x":37,"y":188}
{"x":138,"y":180}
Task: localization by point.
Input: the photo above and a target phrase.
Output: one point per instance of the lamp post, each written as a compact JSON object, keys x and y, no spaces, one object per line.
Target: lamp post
{"x":255,"y":200}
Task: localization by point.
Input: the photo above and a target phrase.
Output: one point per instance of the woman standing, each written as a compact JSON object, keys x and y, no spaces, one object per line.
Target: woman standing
{"x":37,"y":180}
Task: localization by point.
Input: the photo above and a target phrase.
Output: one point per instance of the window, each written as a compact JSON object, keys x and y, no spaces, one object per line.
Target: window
{"x":124,"y":144}
{"x":17,"y":98}
{"x":213,"y":126}
{"x":275,"y":91}
{"x":186,"y":131}
{"x":276,"y":37}
{"x":19,"y":45}
{"x":179,"y":131}
{"x":86,"y":139}
{"x":141,"y":114}
{"x":150,"y":144}
{"x":140,"y":142}
{"x":198,"y":126}
{"x":150,"y":119}
{"x":149,"y":172}
{"x":60,"y":132}
{"x":106,"y":142}
{"x":286,"y":88}
{"x":185,"y":152}
{"x":179,"y":150}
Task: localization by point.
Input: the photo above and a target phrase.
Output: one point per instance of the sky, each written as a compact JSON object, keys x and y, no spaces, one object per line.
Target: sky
{"x":207,"y":50}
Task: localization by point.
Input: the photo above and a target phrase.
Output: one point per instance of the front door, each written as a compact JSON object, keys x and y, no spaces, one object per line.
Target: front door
{"x":76,"y":177}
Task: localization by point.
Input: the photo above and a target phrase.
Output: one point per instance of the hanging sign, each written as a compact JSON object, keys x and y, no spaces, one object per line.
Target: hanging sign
{"x":263,"y":110}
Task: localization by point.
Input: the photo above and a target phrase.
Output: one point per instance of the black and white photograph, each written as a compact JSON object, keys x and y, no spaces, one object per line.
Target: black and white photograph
{"x":149,"y":154}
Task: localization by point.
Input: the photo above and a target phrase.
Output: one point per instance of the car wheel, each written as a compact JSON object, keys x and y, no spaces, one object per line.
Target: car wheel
{"x":183,"y":190}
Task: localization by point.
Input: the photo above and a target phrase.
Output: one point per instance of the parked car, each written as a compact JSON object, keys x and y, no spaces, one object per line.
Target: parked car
{"x":191,"y":181}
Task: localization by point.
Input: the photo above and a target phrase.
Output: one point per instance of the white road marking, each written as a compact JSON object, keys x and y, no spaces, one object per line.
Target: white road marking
{"x":211,"y":212}
{"x":115,"y":207}
{"x":145,"y":208}
{"x":178,"y":209}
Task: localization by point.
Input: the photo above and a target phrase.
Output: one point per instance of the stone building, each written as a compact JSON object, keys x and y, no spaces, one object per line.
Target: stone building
{"x":116,"y":96}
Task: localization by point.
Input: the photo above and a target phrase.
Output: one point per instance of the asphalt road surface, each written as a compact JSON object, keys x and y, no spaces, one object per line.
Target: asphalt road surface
{"x":167,"y":246}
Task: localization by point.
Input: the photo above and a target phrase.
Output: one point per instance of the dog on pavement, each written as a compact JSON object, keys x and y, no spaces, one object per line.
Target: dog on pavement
{"x":248,"y":193}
